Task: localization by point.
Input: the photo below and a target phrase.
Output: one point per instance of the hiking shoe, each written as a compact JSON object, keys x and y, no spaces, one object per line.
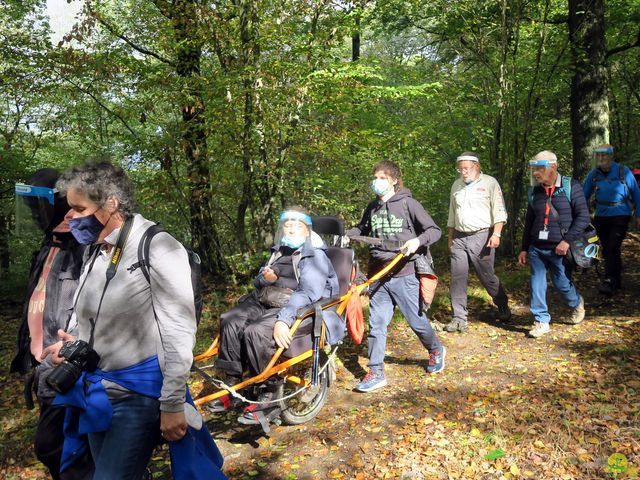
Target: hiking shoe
{"x":437,"y":326}
{"x":267,"y":406}
{"x":539,"y":329}
{"x":456,"y":325}
{"x":436,"y":360}
{"x":373,"y":380}
{"x":504,"y":313}
{"x":225,"y":403}
{"x":607,"y":287}
{"x":577,"y":314}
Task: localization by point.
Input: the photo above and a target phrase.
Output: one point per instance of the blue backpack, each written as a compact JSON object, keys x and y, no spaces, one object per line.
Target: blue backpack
{"x":598,"y":176}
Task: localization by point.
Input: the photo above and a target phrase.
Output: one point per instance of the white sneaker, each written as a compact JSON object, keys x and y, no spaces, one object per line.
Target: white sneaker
{"x":539,"y":329}
{"x":577,"y":314}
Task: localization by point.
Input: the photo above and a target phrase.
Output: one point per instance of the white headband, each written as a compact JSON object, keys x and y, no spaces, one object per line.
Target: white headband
{"x":471,"y":158}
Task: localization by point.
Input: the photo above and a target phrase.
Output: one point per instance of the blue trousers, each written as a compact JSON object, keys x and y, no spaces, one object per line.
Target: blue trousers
{"x":123,"y":451}
{"x":404,"y":292}
{"x":541,"y":261}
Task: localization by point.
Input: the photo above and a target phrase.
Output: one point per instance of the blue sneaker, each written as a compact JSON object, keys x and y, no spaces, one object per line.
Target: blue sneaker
{"x":436,"y":360}
{"x":373,"y":380}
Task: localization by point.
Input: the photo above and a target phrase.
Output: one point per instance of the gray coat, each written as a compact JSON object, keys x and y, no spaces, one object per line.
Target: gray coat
{"x":315,"y":274}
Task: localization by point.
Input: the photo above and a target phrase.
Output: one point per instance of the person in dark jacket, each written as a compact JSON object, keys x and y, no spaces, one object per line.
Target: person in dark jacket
{"x":53,"y":279}
{"x":616,"y":195}
{"x":551,"y":210}
{"x":395,"y":215}
{"x":298,"y":273}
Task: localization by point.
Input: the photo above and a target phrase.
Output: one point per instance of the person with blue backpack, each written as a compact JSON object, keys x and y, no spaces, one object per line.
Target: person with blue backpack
{"x":557,"y":214}
{"x":616,"y":194}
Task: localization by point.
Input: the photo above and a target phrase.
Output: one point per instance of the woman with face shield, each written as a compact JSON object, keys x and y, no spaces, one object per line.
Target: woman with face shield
{"x":53,"y":279}
{"x":298,"y":273}
{"x":616,"y":194}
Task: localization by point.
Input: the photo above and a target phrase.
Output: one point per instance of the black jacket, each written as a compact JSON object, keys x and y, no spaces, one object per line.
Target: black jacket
{"x":61,"y":286}
{"x":401,"y":218}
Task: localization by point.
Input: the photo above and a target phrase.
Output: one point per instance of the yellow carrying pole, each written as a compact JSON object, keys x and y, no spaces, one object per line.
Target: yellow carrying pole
{"x":273,"y":369}
{"x":209,"y":352}
{"x":344,"y":300}
{"x":266,"y":373}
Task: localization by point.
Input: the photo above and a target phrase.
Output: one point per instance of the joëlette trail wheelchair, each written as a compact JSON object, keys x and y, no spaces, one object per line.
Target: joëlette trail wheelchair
{"x":306,"y":367}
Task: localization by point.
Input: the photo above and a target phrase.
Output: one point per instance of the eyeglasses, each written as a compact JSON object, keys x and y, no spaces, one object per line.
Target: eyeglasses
{"x":465,"y":169}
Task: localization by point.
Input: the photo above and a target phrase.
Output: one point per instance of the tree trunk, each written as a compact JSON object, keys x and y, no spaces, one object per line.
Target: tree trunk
{"x":262,"y":178}
{"x":5,"y":257}
{"x":194,"y":139}
{"x":355,"y":41}
{"x":589,"y":102}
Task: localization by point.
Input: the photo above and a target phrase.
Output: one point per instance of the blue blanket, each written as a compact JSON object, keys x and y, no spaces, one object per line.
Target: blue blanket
{"x":195,"y":456}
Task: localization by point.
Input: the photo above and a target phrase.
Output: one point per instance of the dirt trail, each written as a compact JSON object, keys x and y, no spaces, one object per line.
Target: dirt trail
{"x":505,"y":407}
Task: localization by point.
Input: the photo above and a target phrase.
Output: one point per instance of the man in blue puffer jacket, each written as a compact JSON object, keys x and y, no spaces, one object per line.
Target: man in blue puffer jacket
{"x":615,"y":190}
{"x":551,"y":210}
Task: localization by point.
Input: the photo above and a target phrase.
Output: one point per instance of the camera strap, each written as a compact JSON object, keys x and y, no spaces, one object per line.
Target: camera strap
{"x":111,"y":270}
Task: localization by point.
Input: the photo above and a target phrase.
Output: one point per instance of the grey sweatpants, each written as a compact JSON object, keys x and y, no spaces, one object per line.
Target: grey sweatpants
{"x":472,"y":248}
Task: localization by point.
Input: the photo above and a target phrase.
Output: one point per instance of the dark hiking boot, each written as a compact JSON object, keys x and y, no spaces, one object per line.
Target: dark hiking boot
{"x":504,"y":313}
{"x":456,"y":325}
{"x":226,"y":403}
{"x":607,"y":287}
{"x":261,"y":413}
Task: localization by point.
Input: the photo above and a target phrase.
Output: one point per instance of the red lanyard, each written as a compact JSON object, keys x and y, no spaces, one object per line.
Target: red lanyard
{"x":547,"y":208}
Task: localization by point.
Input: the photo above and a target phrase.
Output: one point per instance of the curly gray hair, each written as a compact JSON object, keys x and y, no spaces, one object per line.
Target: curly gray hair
{"x":99,"y":181}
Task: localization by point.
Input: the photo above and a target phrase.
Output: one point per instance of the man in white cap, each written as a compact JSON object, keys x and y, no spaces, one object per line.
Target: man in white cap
{"x":476,"y":217}
{"x":557,"y":214}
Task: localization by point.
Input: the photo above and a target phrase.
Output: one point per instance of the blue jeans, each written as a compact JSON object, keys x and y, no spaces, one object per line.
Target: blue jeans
{"x":403,"y":292}
{"x":123,"y":451}
{"x":541,"y":261}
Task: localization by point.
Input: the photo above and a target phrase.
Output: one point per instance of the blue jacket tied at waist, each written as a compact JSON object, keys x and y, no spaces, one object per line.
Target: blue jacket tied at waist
{"x":195,"y":456}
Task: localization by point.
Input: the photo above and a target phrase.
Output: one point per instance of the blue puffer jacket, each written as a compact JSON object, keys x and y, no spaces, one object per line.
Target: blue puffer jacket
{"x":574,"y":216}
{"x":316,"y":277}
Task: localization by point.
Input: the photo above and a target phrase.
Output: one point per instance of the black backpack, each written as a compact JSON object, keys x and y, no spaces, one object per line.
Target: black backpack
{"x":194,"y":263}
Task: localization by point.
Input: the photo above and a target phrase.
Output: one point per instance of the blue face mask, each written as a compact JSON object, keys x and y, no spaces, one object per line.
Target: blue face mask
{"x":292,"y":242}
{"x":86,"y":230}
{"x":380,"y":186}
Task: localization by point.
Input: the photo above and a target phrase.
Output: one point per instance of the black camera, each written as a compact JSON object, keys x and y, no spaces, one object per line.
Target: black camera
{"x":78,"y":356}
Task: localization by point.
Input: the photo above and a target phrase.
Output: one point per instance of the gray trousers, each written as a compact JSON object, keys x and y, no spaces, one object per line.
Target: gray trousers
{"x":472,"y":248}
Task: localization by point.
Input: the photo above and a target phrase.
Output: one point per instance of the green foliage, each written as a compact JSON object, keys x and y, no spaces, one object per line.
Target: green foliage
{"x":287,"y":117}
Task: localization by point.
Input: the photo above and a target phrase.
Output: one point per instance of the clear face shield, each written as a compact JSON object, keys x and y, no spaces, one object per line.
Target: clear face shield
{"x":294,"y":228}
{"x":602,"y":158}
{"x":34,"y":208}
{"x":538,"y":169}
